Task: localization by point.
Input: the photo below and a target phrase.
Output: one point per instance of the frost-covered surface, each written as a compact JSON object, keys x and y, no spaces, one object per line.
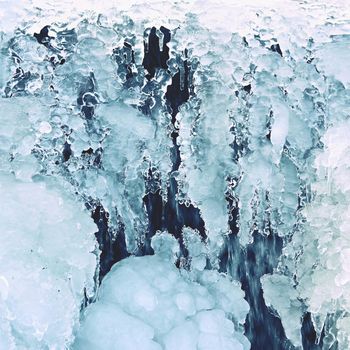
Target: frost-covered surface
{"x":206,"y":119}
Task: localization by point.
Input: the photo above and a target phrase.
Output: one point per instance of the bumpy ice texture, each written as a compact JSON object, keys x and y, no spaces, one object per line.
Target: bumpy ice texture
{"x":205,"y":119}
{"x":147,"y":303}
{"x":46,"y":265}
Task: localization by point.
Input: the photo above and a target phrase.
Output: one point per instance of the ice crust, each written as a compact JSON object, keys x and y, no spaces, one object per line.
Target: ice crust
{"x":261,"y":145}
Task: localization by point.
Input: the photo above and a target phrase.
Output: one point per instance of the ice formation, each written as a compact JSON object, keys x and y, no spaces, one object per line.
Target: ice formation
{"x":46,"y":265}
{"x":320,"y":252}
{"x":47,"y":261}
{"x":174,"y":175}
{"x":146,"y":302}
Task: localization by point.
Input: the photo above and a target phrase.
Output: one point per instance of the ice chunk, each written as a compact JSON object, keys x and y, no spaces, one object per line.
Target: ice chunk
{"x":165,"y":245}
{"x":145,"y":302}
{"x":109,"y":327}
{"x":334,"y":57}
{"x":45,"y":128}
{"x":198,"y":250}
{"x":280,"y":294}
{"x":279,"y":130}
{"x":46,"y":264}
{"x":320,"y":250}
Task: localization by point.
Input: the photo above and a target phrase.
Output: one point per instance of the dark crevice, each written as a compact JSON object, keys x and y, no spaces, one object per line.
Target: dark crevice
{"x":170,"y":215}
{"x":43,"y":37}
{"x":176,"y":95}
{"x":64,"y":42}
{"x":308,"y":334}
{"x":67,"y":152}
{"x":111,"y":241}
{"x":276,"y":48}
{"x":153,"y":57}
{"x":178,"y":92}
{"x":248,"y":264}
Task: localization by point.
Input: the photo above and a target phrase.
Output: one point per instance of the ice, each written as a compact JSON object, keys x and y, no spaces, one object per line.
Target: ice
{"x":203,"y":132}
{"x":246,"y":103}
{"x":197,"y":249}
{"x":280,"y":293}
{"x":335,"y":65}
{"x":184,"y":336}
{"x":279,"y":129}
{"x":321,"y":249}
{"x":331,"y":275}
{"x":45,"y":128}
{"x":165,"y":245}
{"x":154,"y":306}
{"x":42,"y":288}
